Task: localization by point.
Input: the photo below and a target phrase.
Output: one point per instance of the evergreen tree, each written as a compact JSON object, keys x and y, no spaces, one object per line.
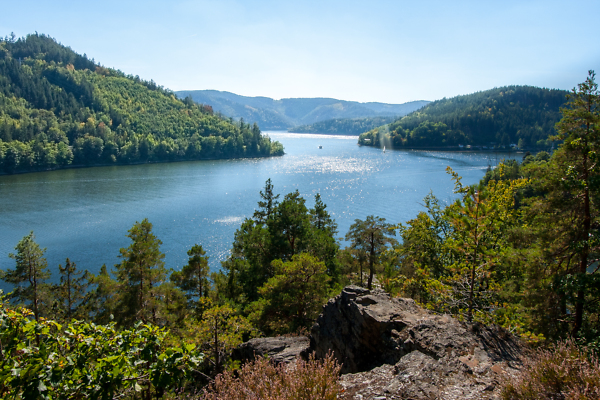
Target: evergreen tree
{"x":140,"y":274}
{"x":193,"y":279}
{"x":267,"y":204}
{"x":104,"y":300}
{"x":29,"y":275}
{"x":323,"y":244}
{"x":279,"y":230}
{"x":370,"y":238}
{"x":71,"y":294}
{"x":568,"y":215}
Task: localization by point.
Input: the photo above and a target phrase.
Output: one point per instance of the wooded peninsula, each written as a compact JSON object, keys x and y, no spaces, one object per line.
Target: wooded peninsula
{"x":517,"y":116}
{"x":60,"y":109}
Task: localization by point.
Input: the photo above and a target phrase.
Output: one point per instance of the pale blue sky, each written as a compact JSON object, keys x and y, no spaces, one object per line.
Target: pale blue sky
{"x":388,"y":51}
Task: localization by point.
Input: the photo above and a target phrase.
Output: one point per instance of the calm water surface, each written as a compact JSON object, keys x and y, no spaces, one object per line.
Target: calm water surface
{"x":84,"y":214}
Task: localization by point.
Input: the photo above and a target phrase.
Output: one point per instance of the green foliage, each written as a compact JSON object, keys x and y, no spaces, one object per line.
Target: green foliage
{"x":293,"y":297}
{"x":277,"y":231}
{"x":58,"y":108}
{"x":44,"y":360}
{"x":564,"y":372}
{"x":71,"y":294}
{"x":479,"y":222}
{"x":193,"y":279}
{"x":564,"y":222}
{"x":140,"y":275}
{"x":260,"y":379}
{"x":219,"y":331}
{"x":344,"y":126}
{"x":29,"y":276}
{"x":498,"y":117}
{"x":454,"y":259}
{"x":369,"y":240}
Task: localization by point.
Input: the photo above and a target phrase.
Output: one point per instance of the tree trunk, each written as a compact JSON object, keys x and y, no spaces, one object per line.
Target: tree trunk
{"x":371,"y":262}
{"x":583,"y":257}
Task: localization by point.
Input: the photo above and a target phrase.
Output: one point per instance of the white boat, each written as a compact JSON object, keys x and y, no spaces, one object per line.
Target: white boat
{"x":384,"y":149}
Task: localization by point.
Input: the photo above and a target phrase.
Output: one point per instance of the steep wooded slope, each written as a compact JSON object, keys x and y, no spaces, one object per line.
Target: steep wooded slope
{"x":522,"y":115}
{"x":59,"y":108}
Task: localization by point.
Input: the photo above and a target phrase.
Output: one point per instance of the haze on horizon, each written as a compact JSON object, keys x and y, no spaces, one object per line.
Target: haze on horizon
{"x":385,"y":51}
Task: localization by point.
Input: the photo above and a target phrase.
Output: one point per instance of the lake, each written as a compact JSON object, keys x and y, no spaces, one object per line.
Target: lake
{"x":84,"y":214}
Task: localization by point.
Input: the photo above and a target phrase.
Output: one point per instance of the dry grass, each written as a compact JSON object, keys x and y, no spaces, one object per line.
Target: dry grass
{"x":261,"y":379}
{"x":565,"y":373}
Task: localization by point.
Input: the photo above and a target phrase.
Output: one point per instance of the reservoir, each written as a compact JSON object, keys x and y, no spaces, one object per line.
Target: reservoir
{"x":84,"y":214}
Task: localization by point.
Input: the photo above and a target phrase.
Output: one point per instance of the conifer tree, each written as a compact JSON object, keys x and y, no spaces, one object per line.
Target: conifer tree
{"x":370,"y":238}
{"x":140,"y":274}
{"x":567,"y":217}
{"x":193,"y":278}
{"x":71,"y":293}
{"x":29,"y":275}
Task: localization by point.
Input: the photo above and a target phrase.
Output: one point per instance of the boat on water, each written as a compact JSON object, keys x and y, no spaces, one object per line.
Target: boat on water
{"x":384,"y":149}
{"x":320,"y":147}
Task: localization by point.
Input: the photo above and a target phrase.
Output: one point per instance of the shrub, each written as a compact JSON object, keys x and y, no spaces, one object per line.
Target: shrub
{"x":261,"y":379}
{"x":564,"y":373}
{"x":81,"y":360}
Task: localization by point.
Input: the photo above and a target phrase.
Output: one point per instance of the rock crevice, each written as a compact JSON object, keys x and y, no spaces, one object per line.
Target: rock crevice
{"x":390,"y":348}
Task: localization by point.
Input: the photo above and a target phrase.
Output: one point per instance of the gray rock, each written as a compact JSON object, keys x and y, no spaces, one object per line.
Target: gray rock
{"x":394,"y":349}
{"x":280,"y":349}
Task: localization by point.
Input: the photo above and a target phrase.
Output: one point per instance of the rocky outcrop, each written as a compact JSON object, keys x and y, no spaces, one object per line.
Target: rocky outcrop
{"x":390,"y":348}
{"x":394,"y":349}
{"x":280,"y":349}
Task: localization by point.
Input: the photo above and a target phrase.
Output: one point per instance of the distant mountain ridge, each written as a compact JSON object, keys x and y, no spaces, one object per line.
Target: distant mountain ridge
{"x":286,"y":113}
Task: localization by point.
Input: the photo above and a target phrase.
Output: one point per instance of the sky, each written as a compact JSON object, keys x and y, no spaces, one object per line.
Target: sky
{"x":385,"y":51}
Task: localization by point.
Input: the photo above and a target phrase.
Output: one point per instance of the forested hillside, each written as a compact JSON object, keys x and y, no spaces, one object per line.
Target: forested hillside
{"x":59,"y":108}
{"x":286,"y":113}
{"x":519,"y":250}
{"x":519,"y":115}
{"x":344,"y":126}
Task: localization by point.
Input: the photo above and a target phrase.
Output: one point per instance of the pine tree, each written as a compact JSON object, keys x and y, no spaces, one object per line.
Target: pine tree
{"x":193,"y":278}
{"x":370,"y":238}
{"x":568,"y":215}
{"x":140,"y":274}
{"x":71,"y":293}
{"x":30,"y":275}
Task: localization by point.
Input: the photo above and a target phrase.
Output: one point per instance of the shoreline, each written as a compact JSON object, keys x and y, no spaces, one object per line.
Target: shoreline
{"x":80,"y":166}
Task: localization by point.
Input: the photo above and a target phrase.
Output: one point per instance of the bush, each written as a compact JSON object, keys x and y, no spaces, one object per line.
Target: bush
{"x":565,"y":373}
{"x":261,"y":379}
{"x":81,"y":360}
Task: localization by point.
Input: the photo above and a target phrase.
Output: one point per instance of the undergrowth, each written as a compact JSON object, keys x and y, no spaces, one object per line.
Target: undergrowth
{"x":566,"y":372}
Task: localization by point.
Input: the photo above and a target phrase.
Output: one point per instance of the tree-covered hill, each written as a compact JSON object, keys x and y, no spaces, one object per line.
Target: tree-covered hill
{"x":287,"y":113}
{"x":59,"y":108}
{"x":521,"y":115}
{"x":344,"y":126}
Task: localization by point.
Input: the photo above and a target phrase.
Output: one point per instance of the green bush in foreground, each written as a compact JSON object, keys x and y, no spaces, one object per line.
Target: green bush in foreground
{"x":308,"y":380}
{"x":44,"y":360}
{"x":566,"y":373}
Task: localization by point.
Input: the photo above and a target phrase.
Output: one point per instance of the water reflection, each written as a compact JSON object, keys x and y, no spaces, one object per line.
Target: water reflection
{"x":84,"y":214}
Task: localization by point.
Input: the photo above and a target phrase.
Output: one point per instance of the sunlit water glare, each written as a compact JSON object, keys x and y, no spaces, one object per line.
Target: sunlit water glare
{"x":84,"y":214}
